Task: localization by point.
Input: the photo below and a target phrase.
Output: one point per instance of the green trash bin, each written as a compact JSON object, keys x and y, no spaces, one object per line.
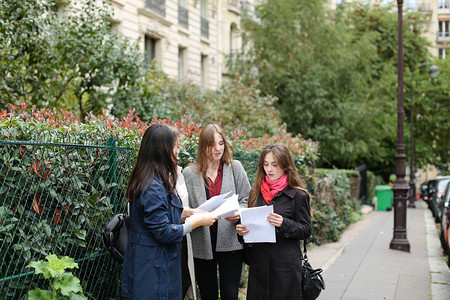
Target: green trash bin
{"x":385,"y":197}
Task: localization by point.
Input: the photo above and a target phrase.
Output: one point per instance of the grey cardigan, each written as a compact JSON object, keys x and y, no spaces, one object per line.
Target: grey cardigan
{"x":235,"y":180}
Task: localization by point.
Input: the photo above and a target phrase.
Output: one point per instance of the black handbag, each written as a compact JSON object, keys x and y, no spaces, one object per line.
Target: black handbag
{"x":313,"y":282}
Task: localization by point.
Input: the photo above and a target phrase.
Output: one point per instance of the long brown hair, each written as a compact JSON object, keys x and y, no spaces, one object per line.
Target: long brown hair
{"x":155,"y":157}
{"x":205,"y":143}
{"x":286,"y":162}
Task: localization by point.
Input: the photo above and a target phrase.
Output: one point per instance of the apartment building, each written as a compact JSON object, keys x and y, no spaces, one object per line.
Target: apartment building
{"x":443,"y":28}
{"x":189,"y":40}
{"x":438,"y":13}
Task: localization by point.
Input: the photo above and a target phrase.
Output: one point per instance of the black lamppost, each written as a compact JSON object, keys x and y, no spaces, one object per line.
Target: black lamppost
{"x":433,"y":71}
{"x":399,"y":239}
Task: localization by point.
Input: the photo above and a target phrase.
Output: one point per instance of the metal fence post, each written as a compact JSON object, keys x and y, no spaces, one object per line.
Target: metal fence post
{"x":113,"y":170}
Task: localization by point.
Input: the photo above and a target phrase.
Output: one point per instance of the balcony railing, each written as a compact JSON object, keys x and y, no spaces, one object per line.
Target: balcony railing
{"x":158,"y":6}
{"x":183,"y":16}
{"x":204,"y":27}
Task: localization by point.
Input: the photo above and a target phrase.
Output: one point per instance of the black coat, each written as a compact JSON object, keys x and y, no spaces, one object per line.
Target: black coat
{"x":275,"y":268}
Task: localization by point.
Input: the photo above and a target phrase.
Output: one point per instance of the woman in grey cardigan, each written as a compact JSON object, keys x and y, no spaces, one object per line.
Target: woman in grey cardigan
{"x":215,"y":173}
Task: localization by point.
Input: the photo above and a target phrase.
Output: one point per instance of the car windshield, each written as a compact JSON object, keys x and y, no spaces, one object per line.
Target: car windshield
{"x":447,"y":195}
{"x":442,"y":184}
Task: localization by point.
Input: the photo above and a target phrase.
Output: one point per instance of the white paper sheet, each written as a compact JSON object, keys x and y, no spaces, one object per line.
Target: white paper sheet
{"x":214,"y":202}
{"x":255,"y":219}
{"x":228,"y":208}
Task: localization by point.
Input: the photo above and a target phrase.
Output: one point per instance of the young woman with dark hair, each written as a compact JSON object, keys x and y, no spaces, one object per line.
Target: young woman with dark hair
{"x":152,"y":263}
{"x":275,"y":268}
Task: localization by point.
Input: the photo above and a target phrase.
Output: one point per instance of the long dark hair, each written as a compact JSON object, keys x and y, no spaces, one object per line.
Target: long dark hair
{"x":206,"y":141}
{"x":285,"y":160}
{"x":155,"y":157}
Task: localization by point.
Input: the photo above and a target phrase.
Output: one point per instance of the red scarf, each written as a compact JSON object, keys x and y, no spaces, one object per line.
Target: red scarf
{"x":271,"y":188}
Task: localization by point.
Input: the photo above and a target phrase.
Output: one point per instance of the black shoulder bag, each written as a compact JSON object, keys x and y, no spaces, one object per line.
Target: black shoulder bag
{"x":313,"y":282}
{"x":115,"y":236}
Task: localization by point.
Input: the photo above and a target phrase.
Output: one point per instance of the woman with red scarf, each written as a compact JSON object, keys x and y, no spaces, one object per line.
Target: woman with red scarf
{"x":275,"y":268}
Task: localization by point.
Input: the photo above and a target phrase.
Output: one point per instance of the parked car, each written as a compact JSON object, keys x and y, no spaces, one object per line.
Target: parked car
{"x":427,"y":195}
{"x":423,"y":192}
{"x":437,"y":191}
{"x":445,"y":221}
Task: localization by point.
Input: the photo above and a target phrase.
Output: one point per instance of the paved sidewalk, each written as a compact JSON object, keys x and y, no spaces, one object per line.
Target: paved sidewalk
{"x":360,"y":266}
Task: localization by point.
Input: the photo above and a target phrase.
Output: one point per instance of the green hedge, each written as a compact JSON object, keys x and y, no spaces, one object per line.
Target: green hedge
{"x":333,"y":207}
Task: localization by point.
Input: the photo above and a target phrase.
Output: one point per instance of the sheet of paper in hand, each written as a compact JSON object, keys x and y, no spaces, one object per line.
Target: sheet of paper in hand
{"x":214,"y":202}
{"x":255,"y":219}
{"x":228,"y":208}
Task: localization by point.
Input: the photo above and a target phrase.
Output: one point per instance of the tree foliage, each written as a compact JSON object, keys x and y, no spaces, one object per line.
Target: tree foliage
{"x":334,"y":74}
{"x":431,"y":110}
{"x":236,"y":106}
{"x":65,"y":56}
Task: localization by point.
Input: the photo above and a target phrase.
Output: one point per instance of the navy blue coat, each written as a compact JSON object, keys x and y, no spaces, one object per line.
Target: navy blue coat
{"x":152,"y":263}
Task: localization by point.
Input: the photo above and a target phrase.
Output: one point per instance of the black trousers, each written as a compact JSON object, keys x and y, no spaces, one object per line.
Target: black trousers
{"x":230,"y":268}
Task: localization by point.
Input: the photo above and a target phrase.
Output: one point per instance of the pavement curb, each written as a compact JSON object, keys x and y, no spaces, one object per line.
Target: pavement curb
{"x":439,"y":271}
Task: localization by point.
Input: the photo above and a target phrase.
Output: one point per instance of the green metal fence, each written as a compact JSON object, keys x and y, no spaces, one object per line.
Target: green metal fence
{"x":56,"y":193}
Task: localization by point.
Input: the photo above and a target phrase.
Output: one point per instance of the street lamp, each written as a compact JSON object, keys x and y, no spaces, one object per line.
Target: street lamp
{"x":400,"y":188}
{"x":433,"y":71}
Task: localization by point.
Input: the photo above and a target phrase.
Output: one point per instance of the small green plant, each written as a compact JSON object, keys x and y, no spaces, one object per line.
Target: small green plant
{"x":64,"y":284}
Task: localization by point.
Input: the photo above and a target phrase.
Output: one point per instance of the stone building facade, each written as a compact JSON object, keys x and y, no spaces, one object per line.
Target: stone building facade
{"x":189,"y":40}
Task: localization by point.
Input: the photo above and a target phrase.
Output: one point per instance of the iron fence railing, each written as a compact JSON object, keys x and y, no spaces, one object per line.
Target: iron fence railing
{"x":55,"y":197}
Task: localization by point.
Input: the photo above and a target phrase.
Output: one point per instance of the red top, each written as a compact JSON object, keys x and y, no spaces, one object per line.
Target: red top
{"x":216,"y":186}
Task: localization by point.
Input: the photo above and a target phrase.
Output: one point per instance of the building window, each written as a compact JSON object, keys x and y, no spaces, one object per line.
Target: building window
{"x":204,"y":23}
{"x":444,"y":4}
{"x":443,"y":53}
{"x":444,"y":28}
{"x":183,"y":14}
{"x":234,"y":45}
{"x":411,"y":4}
{"x":181,"y":63}
{"x":113,"y":26}
{"x":204,"y":72}
{"x":150,"y":48}
{"x":158,"y":6}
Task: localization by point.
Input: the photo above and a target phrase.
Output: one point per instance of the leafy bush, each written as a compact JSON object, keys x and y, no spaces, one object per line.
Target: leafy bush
{"x":234,"y":105}
{"x":371,"y":183}
{"x":333,"y":207}
{"x":62,"y":283}
{"x":305,"y":152}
